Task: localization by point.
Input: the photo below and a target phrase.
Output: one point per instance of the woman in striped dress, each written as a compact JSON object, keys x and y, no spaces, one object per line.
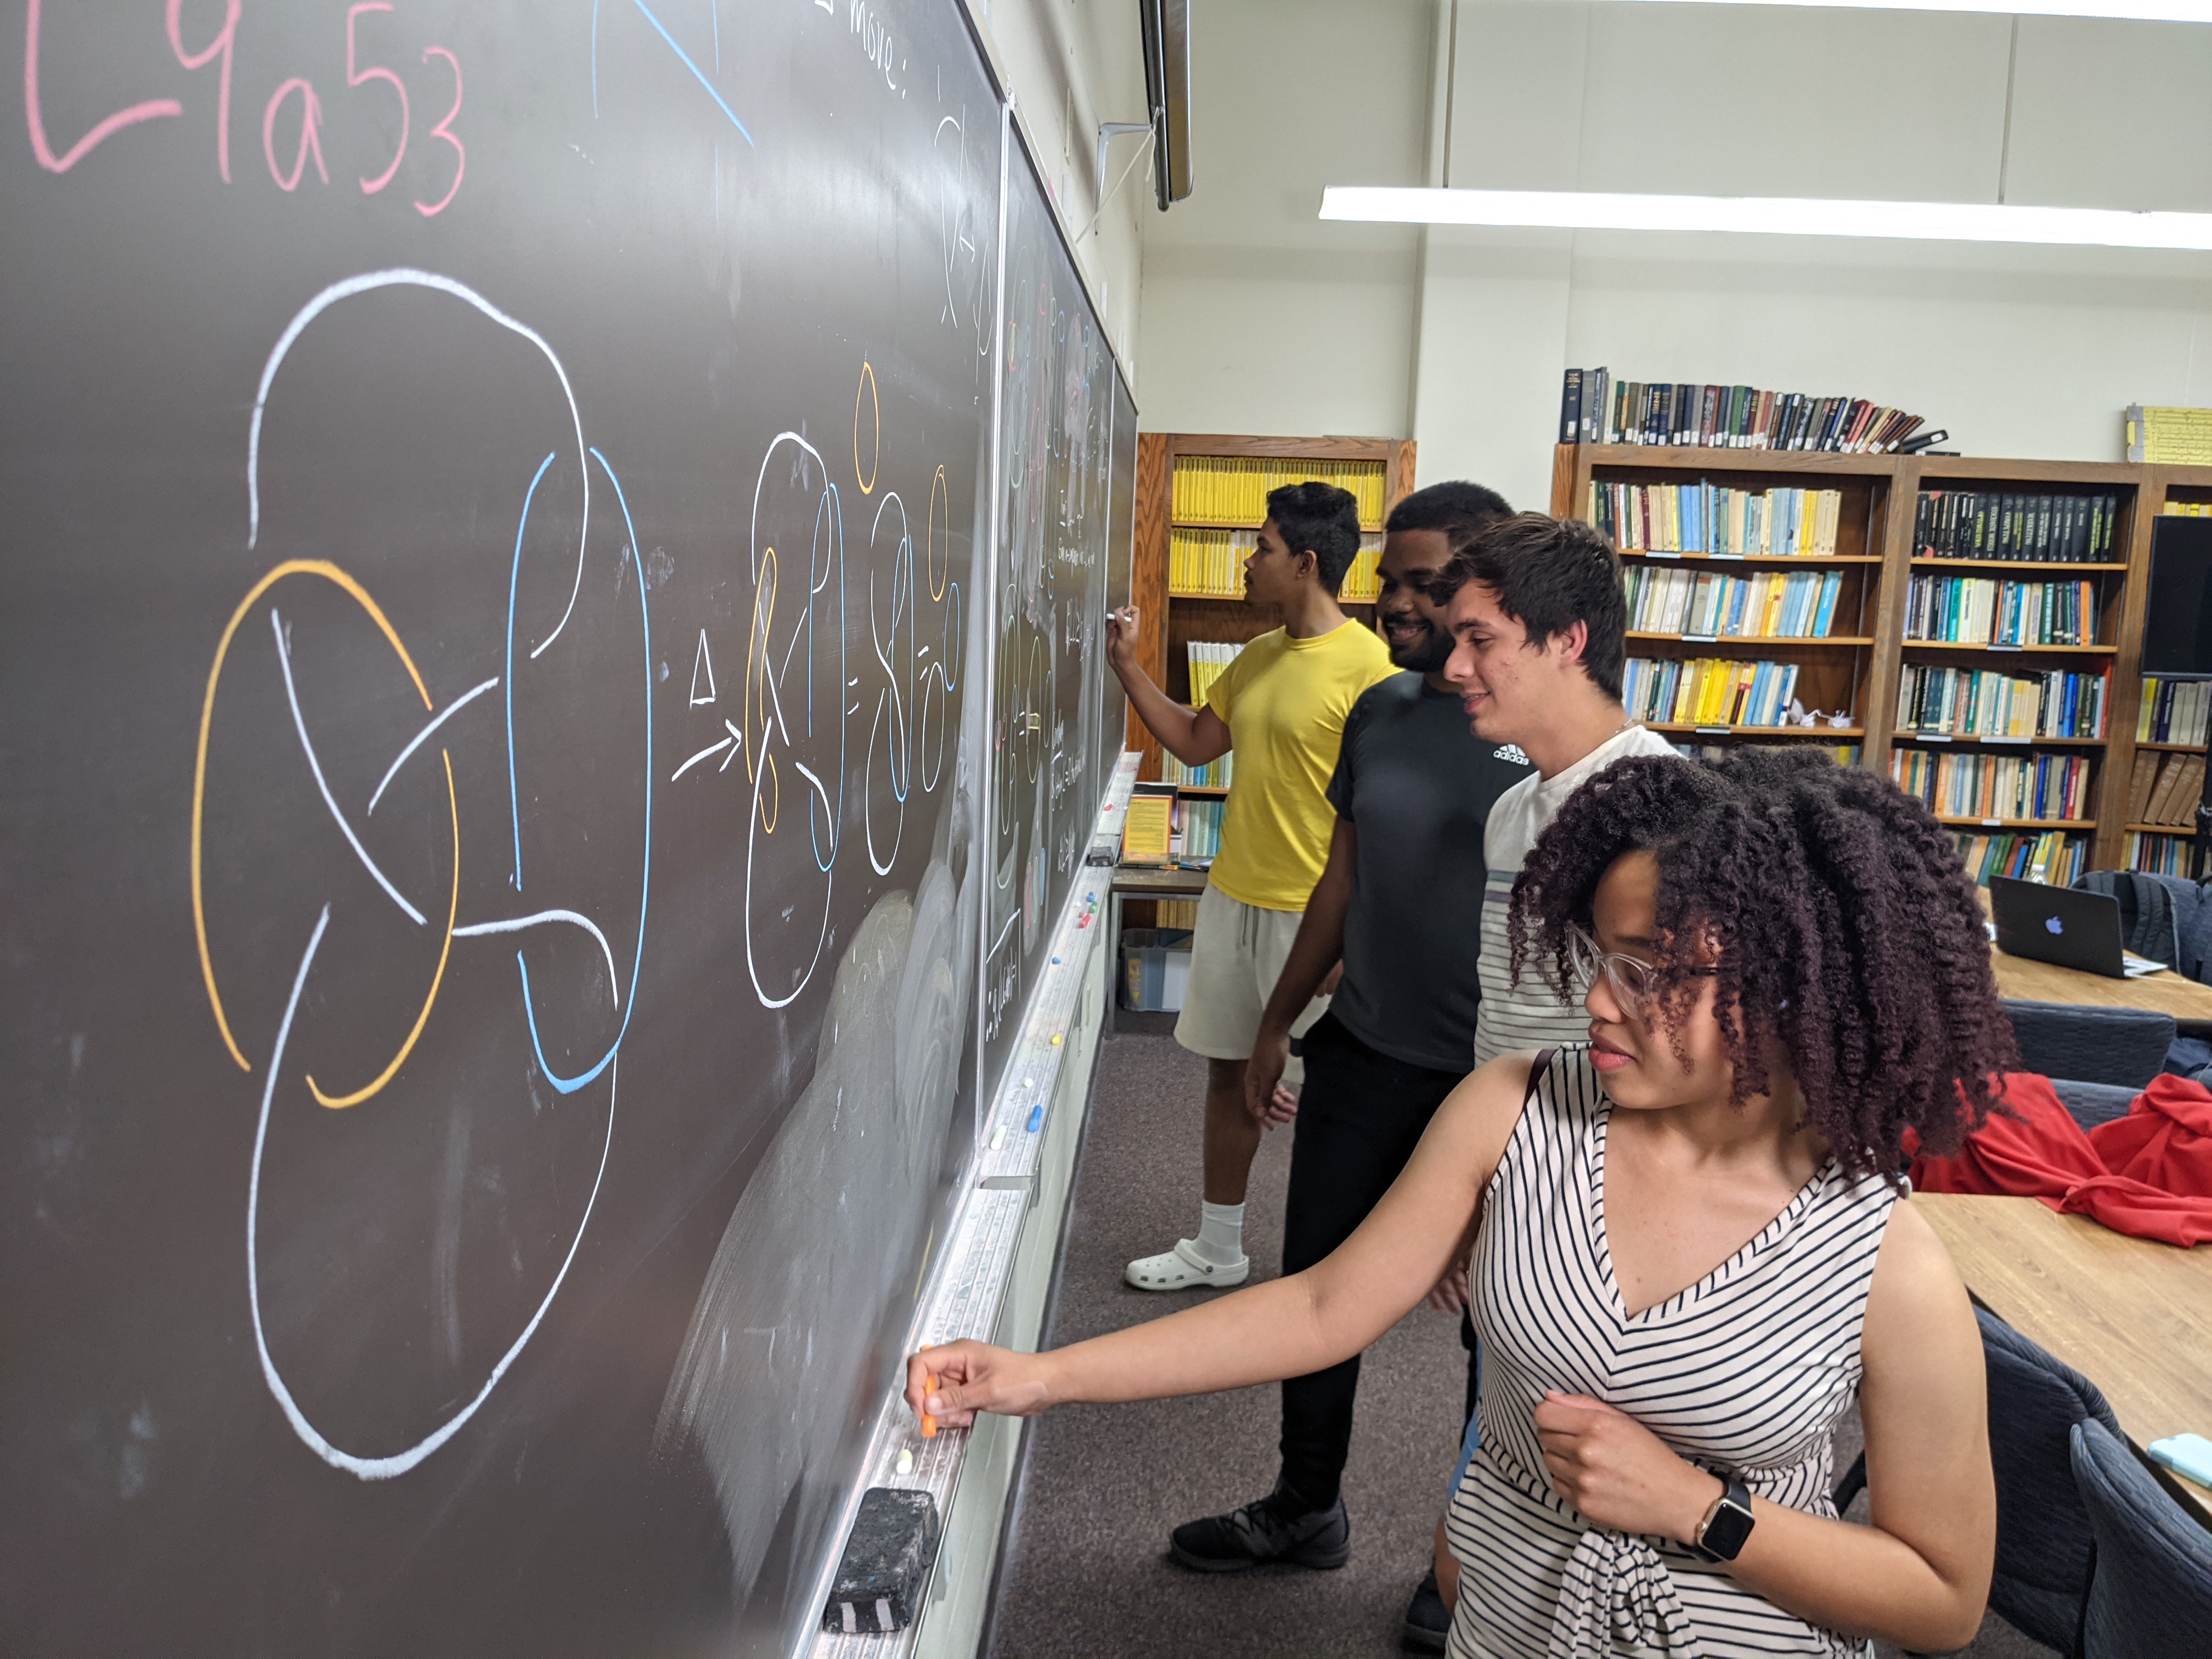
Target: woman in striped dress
{"x":1687,"y":1257}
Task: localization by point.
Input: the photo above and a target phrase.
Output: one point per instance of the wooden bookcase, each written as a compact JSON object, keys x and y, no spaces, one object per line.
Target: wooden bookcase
{"x":1860,"y":665}
{"x":1168,"y":621}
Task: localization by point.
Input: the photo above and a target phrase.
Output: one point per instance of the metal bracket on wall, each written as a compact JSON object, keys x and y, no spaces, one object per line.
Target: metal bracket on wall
{"x":1107,"y":132}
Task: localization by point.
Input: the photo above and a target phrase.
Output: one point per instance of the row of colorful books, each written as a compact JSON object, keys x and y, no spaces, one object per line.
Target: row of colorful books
{"x":1233,"y":489}
{"x":2041,"y":787}
{"x":1779,"y":604}
{"x":1214,"y":774}
{"x":1708,"y":691}
{"x":1982,"y":702}
{"x":2174,"y":711}
{"x":1596,"y":409}
{"x":2050,"y":856}
{"x":1982,"y":524}
{"x":1210,"y":564}
{"x":1201,"y":824}
{"x":1986,"y":610}
{"x":1718,"y":520}
{"x":2159,"y":855}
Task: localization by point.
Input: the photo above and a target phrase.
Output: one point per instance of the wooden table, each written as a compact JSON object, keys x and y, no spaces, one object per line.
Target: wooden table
{"x":2132,"y":1315}
{"x":2163,"y":993}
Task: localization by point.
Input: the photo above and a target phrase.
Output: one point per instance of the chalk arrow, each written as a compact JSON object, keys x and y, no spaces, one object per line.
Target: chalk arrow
{"x":703,"y":754}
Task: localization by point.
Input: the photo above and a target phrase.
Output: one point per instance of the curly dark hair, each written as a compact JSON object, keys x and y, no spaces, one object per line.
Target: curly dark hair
{"x":1845,"y":922}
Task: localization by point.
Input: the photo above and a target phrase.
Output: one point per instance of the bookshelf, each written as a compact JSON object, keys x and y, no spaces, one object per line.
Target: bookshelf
{"x":1872,"y":664}
{"x":1198,"y":534}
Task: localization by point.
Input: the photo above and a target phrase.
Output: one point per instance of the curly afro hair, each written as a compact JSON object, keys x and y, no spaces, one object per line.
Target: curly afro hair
{"x":1845,"y":924}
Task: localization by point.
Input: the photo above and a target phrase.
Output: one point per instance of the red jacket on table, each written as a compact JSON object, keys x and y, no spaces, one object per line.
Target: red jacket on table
{"x":2148,"y":1174}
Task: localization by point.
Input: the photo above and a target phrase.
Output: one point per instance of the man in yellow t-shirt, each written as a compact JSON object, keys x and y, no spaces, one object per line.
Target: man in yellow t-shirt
{"x":1281,"y":705}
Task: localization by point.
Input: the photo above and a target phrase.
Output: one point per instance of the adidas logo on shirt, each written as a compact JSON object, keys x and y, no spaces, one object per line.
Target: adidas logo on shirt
{"x":1510,"y":751}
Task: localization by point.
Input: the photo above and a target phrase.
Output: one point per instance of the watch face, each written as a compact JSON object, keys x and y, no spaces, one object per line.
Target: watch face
{"x":1726,"y":1532}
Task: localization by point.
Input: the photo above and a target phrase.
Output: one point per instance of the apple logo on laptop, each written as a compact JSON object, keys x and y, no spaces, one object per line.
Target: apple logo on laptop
{"x":2053,"y":925}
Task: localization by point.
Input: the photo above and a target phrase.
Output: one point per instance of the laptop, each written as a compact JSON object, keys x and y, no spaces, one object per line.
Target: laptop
{"x":2062,"y":926}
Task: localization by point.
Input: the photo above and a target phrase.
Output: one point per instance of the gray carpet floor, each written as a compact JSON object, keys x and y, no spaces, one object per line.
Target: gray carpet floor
{"x":1083,"y":1568}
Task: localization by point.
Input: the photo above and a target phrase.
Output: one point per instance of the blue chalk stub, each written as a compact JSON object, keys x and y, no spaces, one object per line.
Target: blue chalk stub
{"x":879,"y":1582}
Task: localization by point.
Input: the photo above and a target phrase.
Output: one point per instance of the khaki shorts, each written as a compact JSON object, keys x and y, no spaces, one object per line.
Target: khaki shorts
{"x":1237,"y":954}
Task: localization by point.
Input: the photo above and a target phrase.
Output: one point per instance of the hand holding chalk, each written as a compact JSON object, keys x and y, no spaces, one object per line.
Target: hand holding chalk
{"x":1121,"y":637}
{"x":948,"y":1385}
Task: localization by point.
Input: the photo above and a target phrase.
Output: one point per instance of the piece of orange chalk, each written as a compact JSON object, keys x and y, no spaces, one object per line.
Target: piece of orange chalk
{"x":928,"y":1388}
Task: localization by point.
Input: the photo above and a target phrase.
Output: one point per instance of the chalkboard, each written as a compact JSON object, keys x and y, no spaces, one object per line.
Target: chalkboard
{"x":1055,"y":463}
{"x":492,"y":615}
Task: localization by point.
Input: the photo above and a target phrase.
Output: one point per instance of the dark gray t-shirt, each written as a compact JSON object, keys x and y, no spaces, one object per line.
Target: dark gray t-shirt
{"x":1418,"y":787}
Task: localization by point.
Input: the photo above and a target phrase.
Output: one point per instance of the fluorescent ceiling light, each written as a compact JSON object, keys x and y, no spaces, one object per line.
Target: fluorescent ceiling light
{"x":2167,"y":11}
{"x":1779,"y":215}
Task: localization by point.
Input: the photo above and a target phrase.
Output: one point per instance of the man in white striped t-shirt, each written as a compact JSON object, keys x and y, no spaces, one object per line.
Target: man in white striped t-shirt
{"x":1539,"y":623}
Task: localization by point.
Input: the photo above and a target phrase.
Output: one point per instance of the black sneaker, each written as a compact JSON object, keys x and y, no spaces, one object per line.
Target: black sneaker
{"x":1281,"y":1527}
{"x":1427,"y":1624}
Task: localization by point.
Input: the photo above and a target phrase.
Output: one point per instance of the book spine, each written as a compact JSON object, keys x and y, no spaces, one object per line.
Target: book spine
{"x":1571,"y":407}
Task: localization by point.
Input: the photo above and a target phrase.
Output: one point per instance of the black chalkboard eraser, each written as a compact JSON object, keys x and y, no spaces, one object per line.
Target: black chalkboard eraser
{"x":878,"y":1585}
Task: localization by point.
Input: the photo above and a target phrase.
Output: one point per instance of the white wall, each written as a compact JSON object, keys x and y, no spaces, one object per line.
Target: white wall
{"x":1257,"y":318}
{"x":2018,"y":351}
{"x":1073,"y":65}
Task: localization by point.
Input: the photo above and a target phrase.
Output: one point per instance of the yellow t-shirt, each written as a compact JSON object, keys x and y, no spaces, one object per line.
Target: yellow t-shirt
{"x":1284,"y":702}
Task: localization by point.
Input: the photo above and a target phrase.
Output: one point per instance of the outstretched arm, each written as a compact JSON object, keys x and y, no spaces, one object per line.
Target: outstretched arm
{"x":1287,"y":1328}
{"x":1193,"y":736}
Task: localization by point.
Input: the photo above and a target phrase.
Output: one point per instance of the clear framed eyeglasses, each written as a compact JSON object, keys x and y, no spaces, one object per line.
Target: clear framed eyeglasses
{"x":1631,"y":977}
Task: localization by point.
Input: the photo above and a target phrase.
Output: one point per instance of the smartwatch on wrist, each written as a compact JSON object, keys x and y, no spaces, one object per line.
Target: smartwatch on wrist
{"x":1721,"y":1536}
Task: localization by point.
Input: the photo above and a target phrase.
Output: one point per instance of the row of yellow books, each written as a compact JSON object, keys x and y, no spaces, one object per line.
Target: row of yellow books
{"x":1207,"y":657}
{"x":1210,"y":564}
{"x":1233,"y":489}
{"x":2189,"y":509}
{"x":1708,"y":691}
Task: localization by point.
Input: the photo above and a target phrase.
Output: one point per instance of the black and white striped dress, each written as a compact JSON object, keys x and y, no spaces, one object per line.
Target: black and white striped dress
{"x":1748,"y":1370}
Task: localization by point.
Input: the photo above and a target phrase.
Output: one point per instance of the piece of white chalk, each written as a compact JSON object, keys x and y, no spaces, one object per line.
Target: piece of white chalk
{"x":906,"y":1460}
{"x":998,"y":1137}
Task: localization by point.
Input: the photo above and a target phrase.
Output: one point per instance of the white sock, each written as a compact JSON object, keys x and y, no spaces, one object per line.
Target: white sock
{"x":1221,"y":1234}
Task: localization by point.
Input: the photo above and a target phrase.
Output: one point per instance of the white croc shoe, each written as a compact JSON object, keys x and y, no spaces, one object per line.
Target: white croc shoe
{"x":1183,"y":1268}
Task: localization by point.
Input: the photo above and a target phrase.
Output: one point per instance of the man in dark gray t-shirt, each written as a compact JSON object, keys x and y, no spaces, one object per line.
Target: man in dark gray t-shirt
{"x":1399,"y":905}
{"x":1417,"y":786}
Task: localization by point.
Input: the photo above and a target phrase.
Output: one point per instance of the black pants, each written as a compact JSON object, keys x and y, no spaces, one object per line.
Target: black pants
{"x":1359,"y":1118}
